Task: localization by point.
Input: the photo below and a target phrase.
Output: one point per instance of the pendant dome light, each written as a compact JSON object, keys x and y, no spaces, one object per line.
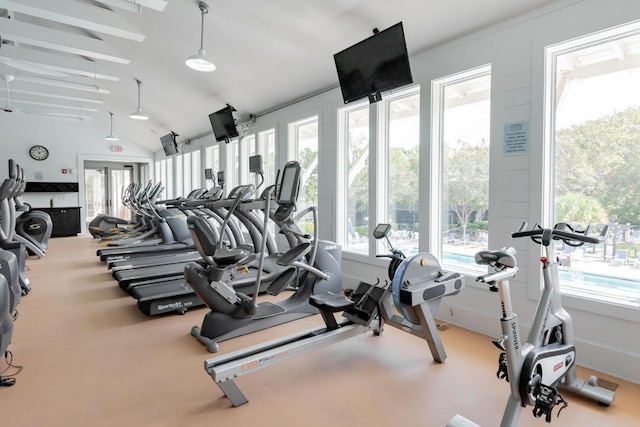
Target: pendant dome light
{"x":138,"y":114}
{"x":199,"y":62}
{"x":111,"y":136}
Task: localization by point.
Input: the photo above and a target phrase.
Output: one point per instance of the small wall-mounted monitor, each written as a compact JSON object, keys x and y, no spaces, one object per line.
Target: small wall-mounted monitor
{"x":169,"y":144}
{"x":255,"y":164}
{"x":208,"y":173}
{"x":223,"y":124}
{"x":376,"y":64}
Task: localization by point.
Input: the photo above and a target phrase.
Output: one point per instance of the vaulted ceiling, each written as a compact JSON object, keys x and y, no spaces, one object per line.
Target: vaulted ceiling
{"x":81,"y":58}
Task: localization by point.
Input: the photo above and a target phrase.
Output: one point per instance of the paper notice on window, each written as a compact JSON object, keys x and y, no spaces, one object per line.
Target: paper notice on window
{"x":516,"y":139}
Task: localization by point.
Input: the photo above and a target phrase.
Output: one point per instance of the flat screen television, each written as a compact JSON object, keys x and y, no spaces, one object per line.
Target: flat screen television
{"x":169,"y":144}
{"x":223,"y":124}
{"x":376,"y":64}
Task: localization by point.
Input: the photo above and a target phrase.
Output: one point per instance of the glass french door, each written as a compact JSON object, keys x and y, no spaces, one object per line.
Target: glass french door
{"x":104,"y":187}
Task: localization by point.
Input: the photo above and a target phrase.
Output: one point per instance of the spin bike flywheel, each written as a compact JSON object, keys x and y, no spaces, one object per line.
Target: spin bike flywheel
{"x":416,"y":269}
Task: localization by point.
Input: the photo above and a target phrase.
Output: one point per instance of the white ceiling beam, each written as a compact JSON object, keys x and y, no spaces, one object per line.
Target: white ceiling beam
{"x":135,"y":5}
{"x":60,"y":83}
{"x":76,"y":14}
{"x":73,"y":65}
{"x":34,"y":35}
{"x":76,"y":107}
{"x":57,"y":116}
{"x":123,"y":4}
{"x":55,"y":96}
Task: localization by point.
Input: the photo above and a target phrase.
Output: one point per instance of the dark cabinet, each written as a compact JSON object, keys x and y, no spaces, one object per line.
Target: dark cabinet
{"x":66,"y":221}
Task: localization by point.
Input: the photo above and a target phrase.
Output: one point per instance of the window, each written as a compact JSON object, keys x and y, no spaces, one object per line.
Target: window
{"x":232,"y":171}
{"x":156,"y":171}
{"x":401,"y":144}
{"x":462,"y":127}
{"x":180,"y":182}
{"x":303,"y":147}
{"x":168,"y":180}
{"x":212,"y":160}
{"x":353,"y":125}
{"x":161,"y":177}
{"x":196,"y":170}
{"x":267,"y":148}
{"x":249,"y":149}
{"x":593,"y":112}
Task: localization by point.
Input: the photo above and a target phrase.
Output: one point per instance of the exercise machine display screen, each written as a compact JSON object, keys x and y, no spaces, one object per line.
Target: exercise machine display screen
{"x":287,"y":193}
{"x":381,"y":231}
{"x":255,"y":164}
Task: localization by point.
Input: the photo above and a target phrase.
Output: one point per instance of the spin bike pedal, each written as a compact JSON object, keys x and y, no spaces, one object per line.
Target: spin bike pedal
{"x":546,"y":399}
{"x":502,"y":373}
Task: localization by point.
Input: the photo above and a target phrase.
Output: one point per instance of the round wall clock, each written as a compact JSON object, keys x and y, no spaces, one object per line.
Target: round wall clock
{"x":38,"y":152}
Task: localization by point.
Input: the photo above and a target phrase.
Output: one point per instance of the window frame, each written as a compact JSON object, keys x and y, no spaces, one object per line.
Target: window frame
{"x":382,"y":149}
{"x":293,"y":147}
{"x":545,"y":162}
{"x":342,"y":174}
{"x":436,"y":159}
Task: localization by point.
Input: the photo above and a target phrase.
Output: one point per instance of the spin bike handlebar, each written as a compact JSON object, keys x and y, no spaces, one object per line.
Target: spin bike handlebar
{"x":561,"y":231}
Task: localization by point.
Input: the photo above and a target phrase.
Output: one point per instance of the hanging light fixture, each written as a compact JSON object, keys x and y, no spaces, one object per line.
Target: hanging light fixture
{"x":138,"y":114}
{"x":199,"y":62}
{"x":111,"y":136}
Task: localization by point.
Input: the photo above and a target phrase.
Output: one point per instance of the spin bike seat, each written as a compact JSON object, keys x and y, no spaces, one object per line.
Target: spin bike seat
{"x":503,"y":257}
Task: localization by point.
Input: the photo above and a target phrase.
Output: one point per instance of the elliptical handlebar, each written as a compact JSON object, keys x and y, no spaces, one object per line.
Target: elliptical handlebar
{"x":572,"y":237}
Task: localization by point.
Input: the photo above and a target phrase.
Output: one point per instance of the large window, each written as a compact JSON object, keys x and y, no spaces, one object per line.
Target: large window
{"x":400,"y":118}
{"x":353,"y":125}
{"x":232,"y":171}
{"x":593,"y":112}
{"x":267,"y":148}
{"x":168,"y":180}
{"x":161,"y":177}
{"x":182,"y":184}
{"x":303,"y":147}
{"x":196,"y":170}
{"x":462,"y":126}
{"x":248,"y":149}
{"x":212,"y":161}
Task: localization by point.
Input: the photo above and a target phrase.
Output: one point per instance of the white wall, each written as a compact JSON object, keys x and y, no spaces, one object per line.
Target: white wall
{"x":69,"y":142}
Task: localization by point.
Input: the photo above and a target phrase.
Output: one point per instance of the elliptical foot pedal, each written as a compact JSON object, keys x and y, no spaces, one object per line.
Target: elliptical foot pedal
{"x":267,"y":309}
{"x":281,"y":282}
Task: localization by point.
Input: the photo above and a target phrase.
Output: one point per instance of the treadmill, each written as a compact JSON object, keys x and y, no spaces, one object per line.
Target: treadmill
{"x":131,"y":278}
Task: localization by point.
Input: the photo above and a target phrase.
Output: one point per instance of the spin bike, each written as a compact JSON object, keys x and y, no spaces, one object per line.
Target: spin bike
{"x":418,"y":285}
{"x":535,"y":369}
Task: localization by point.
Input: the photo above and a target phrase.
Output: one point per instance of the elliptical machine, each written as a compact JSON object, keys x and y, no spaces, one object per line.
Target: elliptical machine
{"x":9,"y":188}
{"x":234,"y":313}
{"x":6,"y":319}
{"x":535,"y":369}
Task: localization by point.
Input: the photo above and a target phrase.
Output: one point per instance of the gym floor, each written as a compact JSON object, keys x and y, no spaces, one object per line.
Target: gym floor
{"x":91,"y":358}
